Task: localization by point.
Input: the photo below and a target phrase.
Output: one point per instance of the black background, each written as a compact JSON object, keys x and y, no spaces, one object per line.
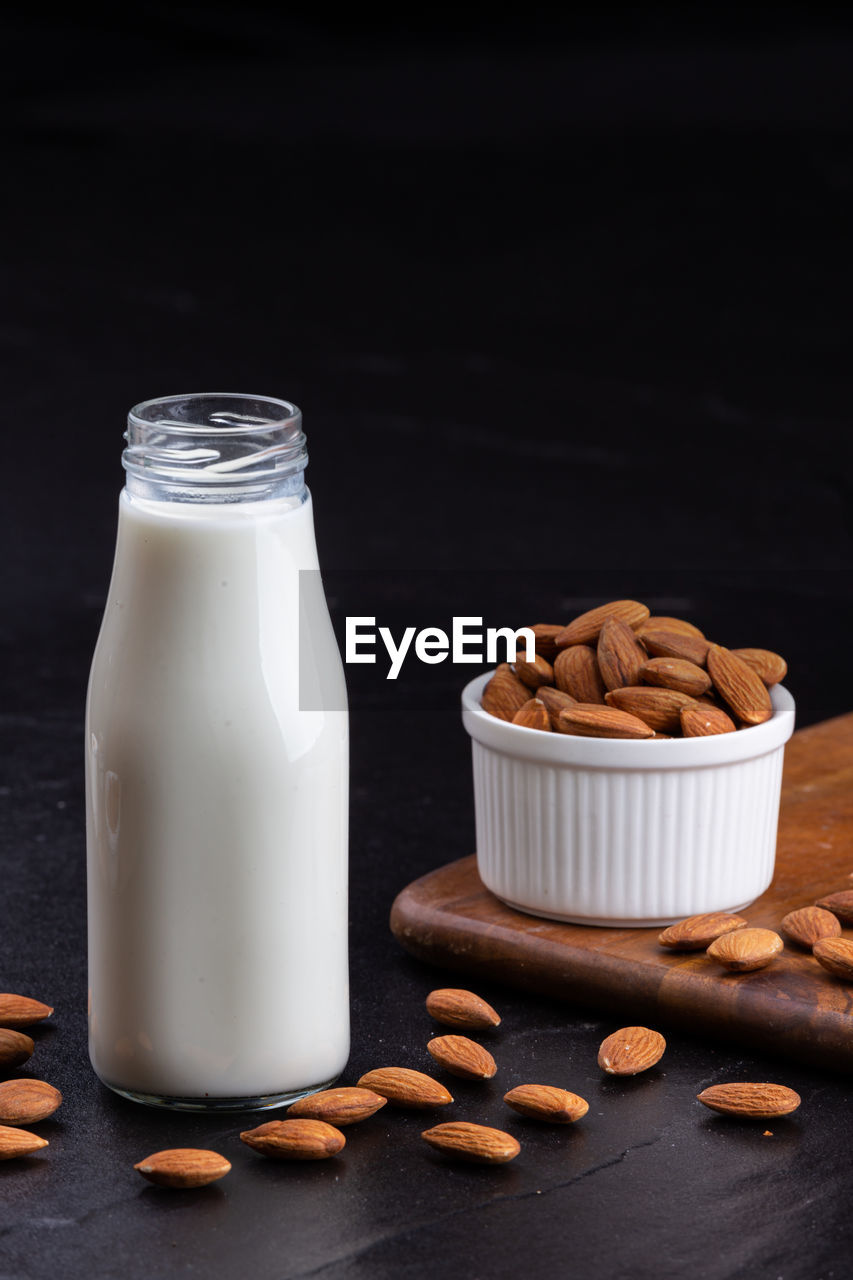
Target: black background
{"x":565,"y":302}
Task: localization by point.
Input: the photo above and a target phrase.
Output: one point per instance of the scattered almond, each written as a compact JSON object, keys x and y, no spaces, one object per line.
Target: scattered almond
{"x":836,"y":956}
{"x":676,"y":673}
{"x":696,"y":933}
{"x":630,"y":1050}
{"x":21,"y":1011}
{"x":504,"y":694}
{"x":740,"y":686}
{"x":546,"y":1102}
{"x":840,"y":904}
{"x":746,"y":949}
{"x":675,"y":644}
{"x":586,"y":628}
{"x":15,"y":1047}
{"x":475,"y":1142}
{"x":183,"y":1167}
{"x":660,"y":709}
{"x":576,"y":673}
{"x":17,"y":1142}
{"x":808,"y":925}
{"x":620,"y":654}
{"x":590,"y":721}
{"x":752,"y":1101}
{"x":463,"y":1057}
{"x":702,"y":720}
{"x":338,"y":1106}
{"x":406,"y":1088}
{"x":768,"y":665}
{"x":295,"y":1139}
{"x":456,"y":1007}
{"x":532,"y":674}
{"x":533,"y":715}
{"x":27,"y":1101}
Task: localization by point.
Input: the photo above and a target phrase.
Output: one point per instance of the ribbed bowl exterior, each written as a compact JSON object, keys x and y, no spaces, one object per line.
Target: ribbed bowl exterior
{"x":635,"y":845}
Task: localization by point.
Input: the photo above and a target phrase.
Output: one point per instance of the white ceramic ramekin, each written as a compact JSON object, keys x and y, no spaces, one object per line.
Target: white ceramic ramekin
{"x":610,"y":831}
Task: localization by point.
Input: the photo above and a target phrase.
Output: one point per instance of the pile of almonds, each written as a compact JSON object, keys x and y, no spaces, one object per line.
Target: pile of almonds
{"x":617,"y":672}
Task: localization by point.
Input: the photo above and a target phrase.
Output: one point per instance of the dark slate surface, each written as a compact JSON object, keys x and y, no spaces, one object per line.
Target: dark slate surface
{"x":567,"y":310}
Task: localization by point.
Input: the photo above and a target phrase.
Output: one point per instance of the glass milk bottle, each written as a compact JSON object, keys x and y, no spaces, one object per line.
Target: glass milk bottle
{"x":216,"y":771}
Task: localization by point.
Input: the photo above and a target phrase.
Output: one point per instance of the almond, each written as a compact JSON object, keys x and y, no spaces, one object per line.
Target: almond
{"x":836,"y":955}
{"x":463,"y":1057}
{"x":504,"y":694}
{"x":295,"y":1139}
{"x":534,"y":673}
{"x":698,"y":932}
{"x":771,"y":667}
{"x":590,"y":721}
{"x":17,"y":1142}
{"x":679,"y":625}
{"x":675,"y":644}
{"x":545,"y":635}
{"x":752,"y":1101}
{"x":15,"y":1048}
{"x":586,"y":628}
{"x":21,"y":1011}
{"x":840,"y":904}
{"x":474,"y":1142}
{"x":702,"y":720}
{"x":183,"y":1167}
{"x":809,"y":924}
{"x":576,"y":673}
{"x":406,"y":1088}
{"x":630,"y":1050}
{"x":746,"y":949}
{"x":456,"y":1007}
{"x":620,"y":654}
{"x":338,"y":1106}
{"x":554,"y":701}
{"x":533,"y":715}
{"x":27,"y":1101}
{"x":660,"y":709}
{"x":546,"y":1102}
{"x":676,"y":673}
{"x":742,"y":688}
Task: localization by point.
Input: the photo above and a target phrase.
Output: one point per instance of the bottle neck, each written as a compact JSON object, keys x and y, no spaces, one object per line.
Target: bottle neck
{"x":215,"y":448}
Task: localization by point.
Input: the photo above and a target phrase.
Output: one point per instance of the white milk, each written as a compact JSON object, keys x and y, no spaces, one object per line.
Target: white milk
{"x":217,"y":810}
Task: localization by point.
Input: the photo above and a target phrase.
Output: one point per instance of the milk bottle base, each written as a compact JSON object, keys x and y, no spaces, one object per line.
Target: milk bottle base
{"x":267,"y":1102}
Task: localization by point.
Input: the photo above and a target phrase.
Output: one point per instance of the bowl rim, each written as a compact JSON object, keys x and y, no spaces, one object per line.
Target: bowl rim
{"x":624,"y":753}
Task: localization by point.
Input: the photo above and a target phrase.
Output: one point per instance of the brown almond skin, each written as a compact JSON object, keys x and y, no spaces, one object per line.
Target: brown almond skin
{"x":746,"y":949}
{"x":750,"y":1101}
{"x":547,"y":1103}
{"x":27,"y":1101}
{"x":545,"y":635}
{"x":476,"y":1143}
{"x":554,"y":701}
{"x":660,"y":709}
{"x":703,"y":721}
{"x":808,"y":925}
{"x":295,"y":1139}
{"x":504,"y":694}
{"x":676,"y":673}
{"x":696,"y":933}
{"x":840,"y":904}
{"x":532,"y":674}
{"x":576,"y":673}
{"x":588,"y":720}
{"x":741,"y":687}
{"x":22,"y":1011}
{"x":679,"y":625}
{"x":631,"y":1050}
{"x":586,"y":628}
{"x":18,"y":1142}
{"x":620,"y":655}
{"x":675,"y":644}
{"x":836,"y":956}
{"x":770,"y":666}
{"x":456,"y":1007}
{"x":15,"y":1047}
{"x":533,"y":715}
{"x":182,"y":1167}
{"x":463,"y":1057}
{"x":404,"y":1087}
{"x":339,"y":1107}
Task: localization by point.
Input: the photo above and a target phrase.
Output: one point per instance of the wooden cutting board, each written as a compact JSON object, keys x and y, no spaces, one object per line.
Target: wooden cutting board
{"x":793,"y":1007}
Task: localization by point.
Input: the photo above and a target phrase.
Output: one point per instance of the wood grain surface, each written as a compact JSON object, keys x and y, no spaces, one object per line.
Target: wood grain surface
{"x":794,"y":1007}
